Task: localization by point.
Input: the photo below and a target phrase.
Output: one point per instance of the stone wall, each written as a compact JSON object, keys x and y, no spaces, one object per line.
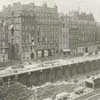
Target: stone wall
{"x":54,"y":74}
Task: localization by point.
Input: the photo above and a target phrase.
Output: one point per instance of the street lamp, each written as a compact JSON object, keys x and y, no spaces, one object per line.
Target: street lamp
{"x":32,"y":48}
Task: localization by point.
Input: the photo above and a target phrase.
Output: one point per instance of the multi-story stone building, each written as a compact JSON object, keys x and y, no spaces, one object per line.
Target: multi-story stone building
{"x":48,"y":30}
{"x":21,"y":31}
{"x":34,"y":30}
{"x":81,"y":32}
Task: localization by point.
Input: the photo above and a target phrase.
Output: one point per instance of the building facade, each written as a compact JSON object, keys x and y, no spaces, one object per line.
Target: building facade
{"x":21,"y":31}
{"x":48,"y":30}
{"x":81,"y":32}
{"x":34,"y":30}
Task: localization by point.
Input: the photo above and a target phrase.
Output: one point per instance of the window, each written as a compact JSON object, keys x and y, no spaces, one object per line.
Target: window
{"x":3,"y":50}
{"x":3,"y":58}
{"x":3,"y":44}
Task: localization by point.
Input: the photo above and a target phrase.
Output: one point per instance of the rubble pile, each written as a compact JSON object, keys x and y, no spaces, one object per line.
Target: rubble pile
{"x":51,"y":90}
{"x":15,"y":91}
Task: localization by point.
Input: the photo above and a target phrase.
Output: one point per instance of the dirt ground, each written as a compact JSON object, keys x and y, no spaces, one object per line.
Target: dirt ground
{"x":52,"y":89}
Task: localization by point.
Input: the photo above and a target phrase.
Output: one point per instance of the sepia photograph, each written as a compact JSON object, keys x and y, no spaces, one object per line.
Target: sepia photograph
{"x":49,"y":49}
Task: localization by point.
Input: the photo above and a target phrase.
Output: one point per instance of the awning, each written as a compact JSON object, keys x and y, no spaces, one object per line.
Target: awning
{"x":66,"y":50}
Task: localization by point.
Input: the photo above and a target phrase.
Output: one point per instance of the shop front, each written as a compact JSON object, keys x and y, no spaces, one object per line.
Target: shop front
{"x":46,"y":53}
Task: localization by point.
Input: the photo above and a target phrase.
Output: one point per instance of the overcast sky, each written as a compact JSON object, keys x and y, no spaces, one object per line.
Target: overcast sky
{"x":65,"y":5}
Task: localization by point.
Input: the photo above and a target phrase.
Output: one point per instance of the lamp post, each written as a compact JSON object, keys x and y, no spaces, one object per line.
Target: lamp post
{"x":33,"y":56}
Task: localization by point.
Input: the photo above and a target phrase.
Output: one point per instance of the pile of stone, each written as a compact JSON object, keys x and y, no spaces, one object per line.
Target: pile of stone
{"x":51,"y":90}
{"x":15,"y":91}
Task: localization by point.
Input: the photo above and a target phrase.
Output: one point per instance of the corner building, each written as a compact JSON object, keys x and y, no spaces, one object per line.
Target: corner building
{"x":36,"y":31}
{"x":21,"y":31}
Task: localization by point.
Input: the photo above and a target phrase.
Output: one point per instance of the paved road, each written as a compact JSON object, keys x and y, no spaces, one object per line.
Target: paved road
{"x":46,"y":65}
